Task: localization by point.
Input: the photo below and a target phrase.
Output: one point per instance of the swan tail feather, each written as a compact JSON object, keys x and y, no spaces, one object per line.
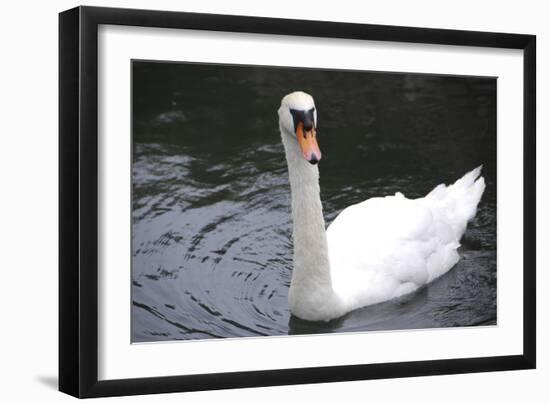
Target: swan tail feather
{"x":459,"y":201}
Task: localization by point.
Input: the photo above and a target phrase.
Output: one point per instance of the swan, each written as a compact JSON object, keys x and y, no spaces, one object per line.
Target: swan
{"x":374,"y":251}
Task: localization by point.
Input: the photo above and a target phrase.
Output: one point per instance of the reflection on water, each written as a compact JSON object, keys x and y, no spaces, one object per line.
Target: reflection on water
{"x":211,"y":246}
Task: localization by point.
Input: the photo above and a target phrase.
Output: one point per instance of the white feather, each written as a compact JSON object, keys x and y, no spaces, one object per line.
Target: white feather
{"x":373,"y":251}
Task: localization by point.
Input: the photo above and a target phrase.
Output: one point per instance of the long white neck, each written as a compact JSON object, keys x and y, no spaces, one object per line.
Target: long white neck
{"x":311,"y":295}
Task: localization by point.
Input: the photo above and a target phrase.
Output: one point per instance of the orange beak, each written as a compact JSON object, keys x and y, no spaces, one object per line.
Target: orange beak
{"x":308,"y":143}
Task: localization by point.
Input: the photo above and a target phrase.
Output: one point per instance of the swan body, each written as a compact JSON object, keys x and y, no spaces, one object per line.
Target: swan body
{"x":373,"y":251}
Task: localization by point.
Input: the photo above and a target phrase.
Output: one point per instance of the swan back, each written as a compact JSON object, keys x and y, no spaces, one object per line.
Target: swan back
{"x":383,"y":248}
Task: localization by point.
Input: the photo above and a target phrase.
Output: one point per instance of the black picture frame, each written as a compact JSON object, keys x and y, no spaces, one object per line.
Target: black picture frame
{"x":78,"y":201}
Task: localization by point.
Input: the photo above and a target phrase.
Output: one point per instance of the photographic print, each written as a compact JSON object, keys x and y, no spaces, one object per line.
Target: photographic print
{"x":271,"y":201}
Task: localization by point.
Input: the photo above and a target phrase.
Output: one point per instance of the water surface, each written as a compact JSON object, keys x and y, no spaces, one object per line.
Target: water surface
{"x":211,"y":234}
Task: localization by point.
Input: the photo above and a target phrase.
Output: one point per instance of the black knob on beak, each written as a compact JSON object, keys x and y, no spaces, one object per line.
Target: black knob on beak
{"x":308,"y":123}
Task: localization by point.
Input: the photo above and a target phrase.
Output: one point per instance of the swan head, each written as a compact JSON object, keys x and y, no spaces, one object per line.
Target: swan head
{"x":298,"y":121}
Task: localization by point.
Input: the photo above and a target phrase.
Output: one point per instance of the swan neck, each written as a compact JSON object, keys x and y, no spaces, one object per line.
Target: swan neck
{"x":311,"y":263}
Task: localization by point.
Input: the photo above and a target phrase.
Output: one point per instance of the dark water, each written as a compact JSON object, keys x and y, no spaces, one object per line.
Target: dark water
{"x":212,"y":250}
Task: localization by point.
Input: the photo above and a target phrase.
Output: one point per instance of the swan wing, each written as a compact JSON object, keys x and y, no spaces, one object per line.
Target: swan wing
{"x":386,"y":247}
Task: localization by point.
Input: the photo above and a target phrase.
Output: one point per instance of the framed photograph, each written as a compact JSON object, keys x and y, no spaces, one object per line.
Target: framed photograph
{"x":252,"y":201}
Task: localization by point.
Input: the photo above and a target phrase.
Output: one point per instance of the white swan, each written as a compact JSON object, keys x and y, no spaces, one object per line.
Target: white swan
{"x":373,"y":251}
